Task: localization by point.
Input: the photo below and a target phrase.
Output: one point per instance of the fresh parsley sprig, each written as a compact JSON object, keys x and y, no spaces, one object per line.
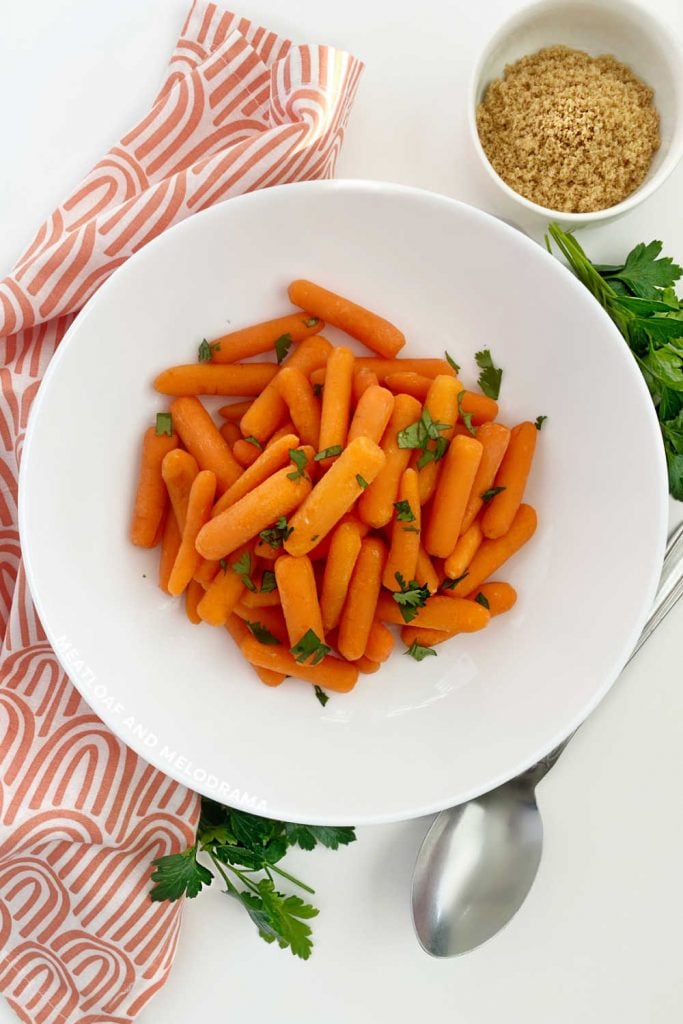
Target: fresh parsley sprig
{"x":490,"y":376}
{"x":410,"y":598}
{"x":245,"y":851}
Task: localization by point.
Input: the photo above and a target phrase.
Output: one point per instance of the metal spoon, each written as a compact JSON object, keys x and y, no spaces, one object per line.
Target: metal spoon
{"x":478,"y":861}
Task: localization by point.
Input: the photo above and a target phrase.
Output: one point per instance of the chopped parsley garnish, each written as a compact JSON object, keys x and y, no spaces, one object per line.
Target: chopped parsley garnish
{"x":321,"y":695}
{"x":255,"y":441}
{"x":164,"y":424}
{"x":268,"y":582}
{"x":205,"y":351}
{"x":282,"y":346}
{"x":361,"y":481}
{"x":539,"y":421}
{"x":328,"y":453}
{"x":243,"y":569}
{"x":404,"y":512}
{"x":263,"y":635}
{"x":310,"y":647}
{"x":482,"y":599}
{"x":491,"y":493}
{"x":410,"y":598}
{"x":490,"y":378}
{"x":452,"y":363}
{"x":275,"y":536}
{"x":300,"y":461}
{"x":419,"y":652}
{"x":466,"y":417}
{"x":452,"y":584}
{"x":312,"y":321}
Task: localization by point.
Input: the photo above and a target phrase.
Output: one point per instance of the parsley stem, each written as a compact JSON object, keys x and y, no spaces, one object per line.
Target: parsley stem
{"x":219,"y":868}
{"x":285,"y":874}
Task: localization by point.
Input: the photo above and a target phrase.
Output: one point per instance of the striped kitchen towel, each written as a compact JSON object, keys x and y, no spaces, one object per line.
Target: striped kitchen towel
{"x":81,"y":816}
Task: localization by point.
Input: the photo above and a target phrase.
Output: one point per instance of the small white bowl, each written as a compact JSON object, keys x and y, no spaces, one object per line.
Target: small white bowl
{"x":615,"y":27}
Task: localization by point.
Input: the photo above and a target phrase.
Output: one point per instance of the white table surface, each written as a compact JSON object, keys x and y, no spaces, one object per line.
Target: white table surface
{"x":598,"y":940}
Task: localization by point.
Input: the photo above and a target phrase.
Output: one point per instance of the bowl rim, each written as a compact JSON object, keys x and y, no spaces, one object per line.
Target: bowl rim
{"x":290,"y":812}
{"x":625,"y":8}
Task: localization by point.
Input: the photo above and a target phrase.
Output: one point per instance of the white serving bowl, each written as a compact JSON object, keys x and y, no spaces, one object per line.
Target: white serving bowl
{"x":616,"y":27}
{"x":412,"y":738}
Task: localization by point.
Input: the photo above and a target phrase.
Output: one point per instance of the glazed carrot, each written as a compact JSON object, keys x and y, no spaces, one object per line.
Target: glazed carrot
{"x":442,"y":405}
{"x":277,"y":496}
{"x":322,"y":549}
{"x":330,"y":673}
{"x":193,"y":595}
{"x":234,"y":411}
{"x":481,"y":407}
{"x":169,"y":549}
{"x":361,"y":601}
{"x":407,"y":383}
{"x":425,"y":572}
{"x":494,"y":438}
{"x":260,"y":599}
{"x":405,"y":533}
{"x":380,"y":642}
{"x":501,"y":597}
{"x":377,"y":503}
{"x":245,"y":452}
{"x":334,"y":494}
{"x":298,"y":593}
{"x":285,"y":430}
{"x":444,"y":613}
{"x":268,"y":411}
{"x":271,"y":618}
{"x":272,"y":458}
{"x":201,"y":498}
{"x":512,"y":475}
{"x":259,"y":338}
{"x":344,"y":546}
{"x":334,"y":417}
{"x":150,"y":496}
{"x":226,"y":589}
{"x":464,"y":551}
{"x":362,"y":380}
{"x":205,"y":572}
{"x":268,"y":676}
{"x":239,"y":631}
{"x":426,"y":637}
{"x":304,"y":409}
{"x":374,"y":331}
{"x":366,"y":665}
{"x":202,"y":439}
{"x":230,"y":432}
{"x":383,"y":367}
{"x":372,"y":414}
{"x":452,"y":493}
{"x":209,"y":379}
{"x":317,"y":378}
{"x":178,"y":470}
{"x":494,"y":553}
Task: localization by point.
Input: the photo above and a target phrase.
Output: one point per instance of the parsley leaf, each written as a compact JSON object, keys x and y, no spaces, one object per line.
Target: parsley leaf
{"x":404,"y":512}
{"x":205,"y":351}
{"x":362,"y":482}
{"x":539,"y":421}
{"x":328,"y":453}
{"x":179,"y":874}
{"x":300,"y":461}
{"x":482,"y":599}
{"x":490,"y":378}
{"x":642,"y":273}
{"x":308,"y":836}
{"x":163,"y":424}
{"x":452,"y":363}
{"x":268,"y":582}
{"x":466,"y":417}
{"x":410,"y":598}
{"x":452,"y":584}
{"x":280,"y":919}
{"x":242,"y":567}
{"x":255,"y":441}
{"x":419,"y":652}
{"x":491,"y":493}
{"x":275,"y":536}
{"x":263,"y":635}
{"x":410,"y":529}
{"x":417,"y":434}
{"x":433,"y":454}
{"x":310,"y":646}
{"x":311,"y":321}
{"x":282,"y":346}
{"x":321,"y":695}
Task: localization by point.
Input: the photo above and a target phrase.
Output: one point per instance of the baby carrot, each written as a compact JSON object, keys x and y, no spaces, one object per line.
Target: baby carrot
{"x":267,"y":676}
{"x":344,"y":547}
{"x":407,"y":383}
{"x":209,"y":379}
{"x":202,"y":439}
{"x":244,"y":451}
{"x":425,"y":572}
{"x":366,"y":665}
{"x":268,"y":411}
{"x":284,"y":431}
{"x":372,"y":414}
{"x":201,"y":498}
{"x":424,"y":367}
{"x":299,"y":596}
{"x":230,"y":432}
{"x":270,"y":618}
{"x":494,"y":438}
{"x":193,"y":595}
{"x":334,"y":417}
{"x":444,"y":613}
{"x":442,"y":405}
{"x":405,"y":532}
{"x":234,"y":411}
{"x":260,"y":599}
{"x":259,"y":338}
{"x":374,"y":331}
{"x":178,"y":470}
{"x":169,"y":550}
{"x":322,"y":548}
{"x":223,"y":593}
{"x":362,"y":380}
{"x":304,"y":409}
{"x":205,"y":572}
{"x":380,"y":642}
{"x":277,"y":496}
{"x":334,"y":494}
{"x":317,"y":377}
{"x":512,"y":477}
{"x":451,"y":496}
{"x":493,"y":553}
{"x":481,"y":407}
{"x":361,"y":600}
{"x":426,"y":637}
{"x":330,"y":673}
{"x":377,"y":503}
{"x":273,"y":457}
{"x":150,"y":496}
{"x":500,"y":597}
{"x":464,"y":551}
{"x":239,"y":631}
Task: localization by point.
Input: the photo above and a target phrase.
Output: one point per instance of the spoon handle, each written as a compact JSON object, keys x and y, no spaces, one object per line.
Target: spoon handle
{"x":669,"y":590}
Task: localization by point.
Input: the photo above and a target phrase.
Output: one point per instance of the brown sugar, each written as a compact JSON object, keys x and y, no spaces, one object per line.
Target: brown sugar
{"x":569,"y":131}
